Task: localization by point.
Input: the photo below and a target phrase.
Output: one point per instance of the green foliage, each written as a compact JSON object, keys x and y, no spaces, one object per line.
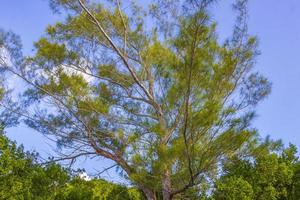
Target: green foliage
{"x":14,"y":171}
{"x":166,"y":100}
{"x":79,"y":189}
{"x":295,"y":187}
{"x":174,"y":106}
{"x":234,"y":188}
{"x":266,"y":173}
{"x":48,"y":181}
{"x":54,"y":52}
{"x":22,"y":178}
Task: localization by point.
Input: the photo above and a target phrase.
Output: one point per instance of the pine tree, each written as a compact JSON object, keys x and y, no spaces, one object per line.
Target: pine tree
{"x":153,"y":90}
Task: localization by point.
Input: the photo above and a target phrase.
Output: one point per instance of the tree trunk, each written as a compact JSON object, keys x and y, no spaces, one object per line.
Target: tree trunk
{"x":149,"y":194}
{"x":167,"y":186}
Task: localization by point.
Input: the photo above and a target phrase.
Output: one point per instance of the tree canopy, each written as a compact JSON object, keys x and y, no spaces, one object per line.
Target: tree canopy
{"x":165,"y":103}
{"x":268,"y":172}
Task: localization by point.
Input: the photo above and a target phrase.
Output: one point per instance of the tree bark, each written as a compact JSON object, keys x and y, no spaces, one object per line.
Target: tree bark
{"x":150,"y":195}
{"x":167,"y":186}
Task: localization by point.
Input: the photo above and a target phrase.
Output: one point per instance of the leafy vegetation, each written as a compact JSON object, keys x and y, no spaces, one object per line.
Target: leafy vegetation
{"x":168,"y":102}
{"x":267,"y":172}
{"x":21,"y":177}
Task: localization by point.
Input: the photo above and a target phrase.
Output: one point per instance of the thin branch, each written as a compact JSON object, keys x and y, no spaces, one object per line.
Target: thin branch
{"x":125,"y":27}
{"x":106,"y":169}
{"x":69,"y":157}
{"x":125,"y":61}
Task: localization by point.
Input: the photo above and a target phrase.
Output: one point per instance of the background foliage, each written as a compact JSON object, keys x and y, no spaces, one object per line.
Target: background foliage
{"x":21,"y":177}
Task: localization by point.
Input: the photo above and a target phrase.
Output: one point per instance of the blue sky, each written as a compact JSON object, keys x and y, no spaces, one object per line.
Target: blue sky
{"x":276,"y":23}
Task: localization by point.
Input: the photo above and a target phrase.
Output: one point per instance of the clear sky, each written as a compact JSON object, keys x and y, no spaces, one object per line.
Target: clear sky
{"x":276,"y":23}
